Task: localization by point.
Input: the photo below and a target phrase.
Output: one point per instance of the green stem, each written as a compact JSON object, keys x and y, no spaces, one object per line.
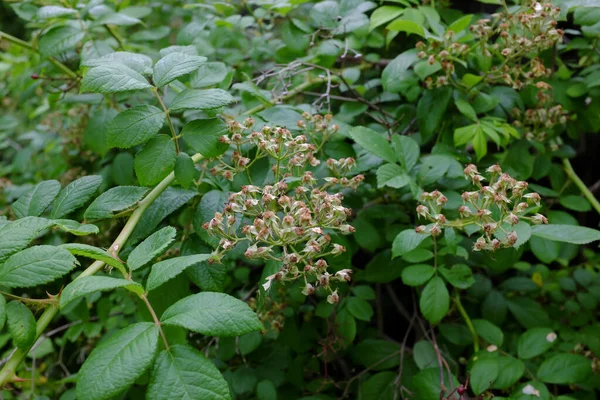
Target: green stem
{"x":156,"y":321}
{"x":468,"y":322}
{"x":8,"y":371}
{"x":298,"y":89}
{"x":168,"y":114}
{"x":28,"y":46}
{"x":579,"y":183}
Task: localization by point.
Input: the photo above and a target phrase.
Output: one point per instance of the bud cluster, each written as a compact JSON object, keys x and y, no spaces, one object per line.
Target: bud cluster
{"x":512,"y":40}
{"x":494,"y":207}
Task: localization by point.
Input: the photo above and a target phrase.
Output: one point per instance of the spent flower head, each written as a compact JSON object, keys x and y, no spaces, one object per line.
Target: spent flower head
{"x":495,"y":208}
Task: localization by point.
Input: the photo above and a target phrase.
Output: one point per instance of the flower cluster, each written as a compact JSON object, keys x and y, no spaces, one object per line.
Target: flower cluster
{"x":293,"y":153}
{"x":291,"y":220}
{"x":510,"y":39}
{"x":289,"y":226}
{"x":538,"y":124}
{"x":495,"y":209}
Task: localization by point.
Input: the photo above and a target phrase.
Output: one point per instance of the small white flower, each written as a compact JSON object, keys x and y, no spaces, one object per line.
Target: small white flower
{"x":530,"y":390}
{"x":267,"y":284}
{"x":537,"y":7}
{"x":551,"y":337}
{"x":492,"y":347}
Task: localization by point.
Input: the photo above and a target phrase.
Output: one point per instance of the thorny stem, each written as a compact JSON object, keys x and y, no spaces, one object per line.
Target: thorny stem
{"x":579,"y":183}
{"x":8,"y":371}
{"x":168,"y":114}
{"x":28,"y":46}
{"x":468,"y":322}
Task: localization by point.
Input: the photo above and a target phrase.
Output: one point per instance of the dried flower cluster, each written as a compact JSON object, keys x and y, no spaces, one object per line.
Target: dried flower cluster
{"x":292,"y":220}
{"x":494,"y":208}
{"x":539,"y":124}
{"x":292,"y":153}
{"x":510,"y":39}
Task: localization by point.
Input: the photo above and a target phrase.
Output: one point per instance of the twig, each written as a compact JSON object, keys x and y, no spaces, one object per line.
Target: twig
{"x":579,"y":183}
{"x":28,"y":46}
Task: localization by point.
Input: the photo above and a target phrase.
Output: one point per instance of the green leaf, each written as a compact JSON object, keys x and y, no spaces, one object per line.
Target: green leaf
{"x":138,"y":62}
{"x":406,"y":241}
{"x":460,"y":276}
{"x":377,"y":354}
{"x":117,"y":199}
{"x":566,"y":233}
{"x":465,"y":134}
{"x":95,"y":253}
{"x":488,"y":331}
{"x":392,"y":175}
{"x":466,"y":109}
{"x":48,"y":12}
{"x":384,"y":14}
{"x":212,"y":314}
{"x":359,"y":308}
{"x":373,"y":142}
{"x":427,"y":383}
{"x":155,"y":160}
{"x":417,"y":275}
{"x":184,"y":170}
{"x":168,"y":269}
{"x":202,"y":135}
{"x":193,"y":99}
{"x":380,"y":386}
{"x":407,"y":151}
{"x":134,"y":126}
{"x":35,"y":266}
{"x":16,"y":235}
{"x":21,"y":324}
{"x":94,"y":135}
{"x":431,"y":109}
{"x":404,"y":25}
{"x":75,"y":195}
{"x":424,"y":355}
{"x":535,"y":342}
{"x":496,"y":2}
{"x":184,"y":373}
{"x":59,"y":39}
{"x":545,"y":250}
{"x":346,"y":326}
{"x":480,"y":144}
{"x":2,"y":312}
{"x":34,"y":201}
{"x":266,"y":390}
{"x":565,"y":368}
{"x":75,"y":228}
{"x":528,"y":312}
{"x":397,"y":71}
{"x":435,"y":300}
{"x":483,"y":373}
{"x":510,"y":371}
{"x":152,"y":247}
{"x":117,"y":362}
{"x":89,"y":284}
{"x":174,"y":65}
{"x":169,"y":201}
{"x":208,"y":74}
{"x":113,"y":78}
{"x":575,"y":203}
{"x":460,"y":24}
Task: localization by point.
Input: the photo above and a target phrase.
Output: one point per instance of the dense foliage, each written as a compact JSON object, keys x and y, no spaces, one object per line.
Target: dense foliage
{"x":296,"y":199}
